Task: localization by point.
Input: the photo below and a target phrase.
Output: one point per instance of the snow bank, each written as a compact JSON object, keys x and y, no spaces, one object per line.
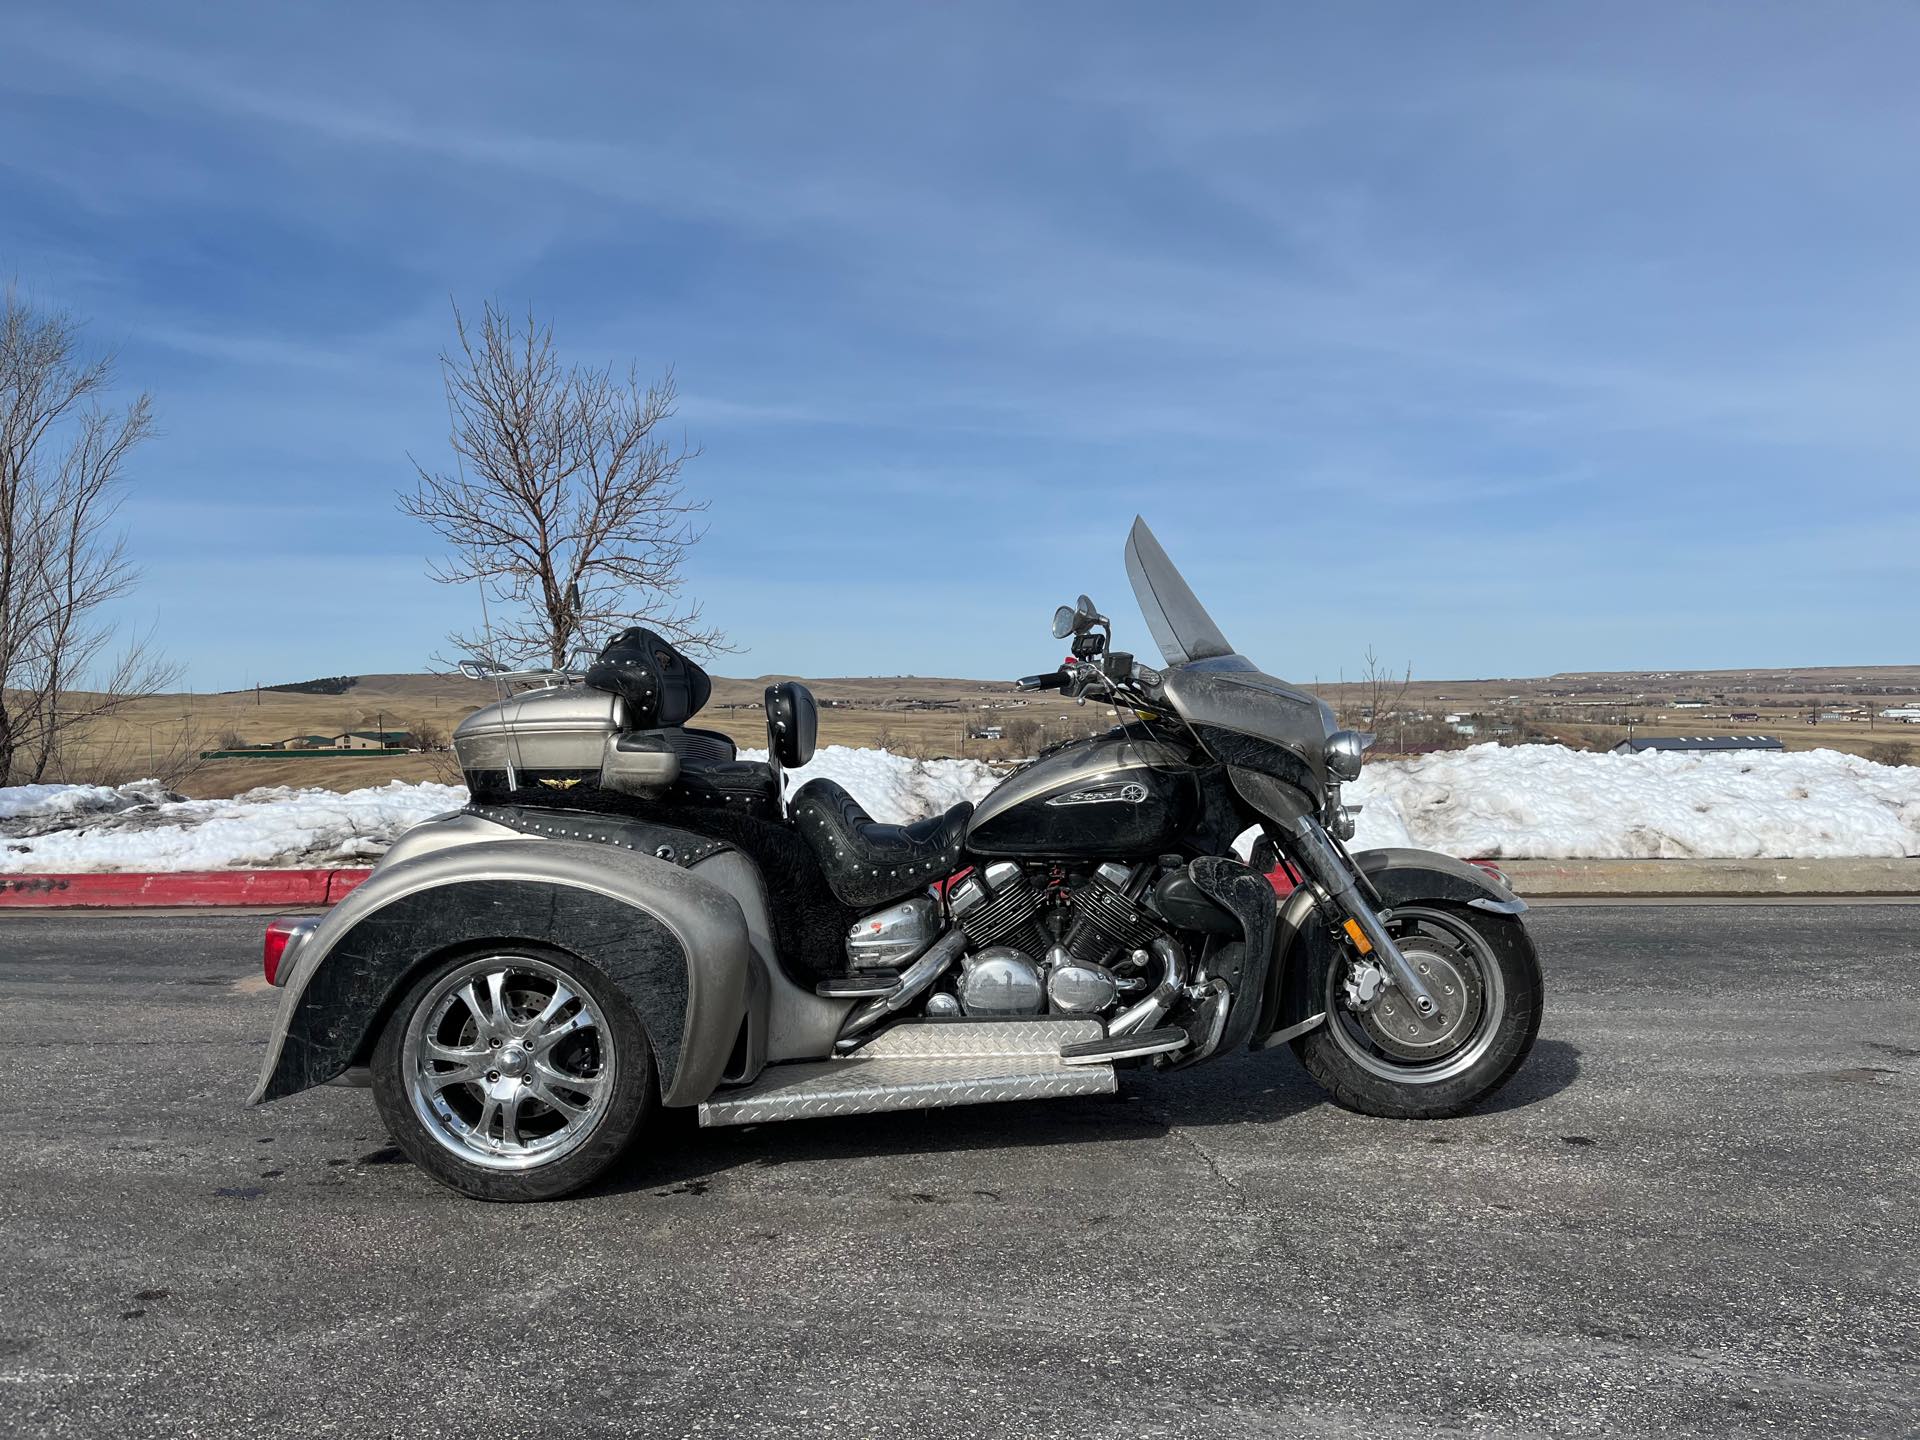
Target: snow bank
{"x":894,"y":788}
{"x":31,"y":804}
{"x":274,"y":827}
{"x":1547,"y":802}
{"x":1530,"y":801}
{"x":73,"y":828}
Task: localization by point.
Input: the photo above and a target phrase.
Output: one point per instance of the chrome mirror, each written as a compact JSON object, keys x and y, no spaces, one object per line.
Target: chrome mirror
{"x":1065,"y":621}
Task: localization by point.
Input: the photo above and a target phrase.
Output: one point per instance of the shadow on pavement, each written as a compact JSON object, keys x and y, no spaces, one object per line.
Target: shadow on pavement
{"x":1553,"y":1066}
{"x":1247,"y":1090}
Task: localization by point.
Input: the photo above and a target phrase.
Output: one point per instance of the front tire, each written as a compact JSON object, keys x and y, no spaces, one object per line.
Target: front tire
{"x":514,"y":1072}
{"x":1382,"y":1060}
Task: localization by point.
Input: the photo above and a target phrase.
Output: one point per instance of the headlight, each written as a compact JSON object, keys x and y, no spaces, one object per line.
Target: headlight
{"x":1344,"y":751}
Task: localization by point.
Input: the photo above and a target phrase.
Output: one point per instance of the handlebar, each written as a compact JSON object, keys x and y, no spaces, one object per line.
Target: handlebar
{"x":1058,"y":680}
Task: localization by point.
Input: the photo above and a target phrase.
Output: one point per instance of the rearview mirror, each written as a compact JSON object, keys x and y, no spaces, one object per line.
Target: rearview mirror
{"x":1065,"y":622}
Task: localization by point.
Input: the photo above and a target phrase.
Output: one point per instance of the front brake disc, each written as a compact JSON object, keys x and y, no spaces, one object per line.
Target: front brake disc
{"x":1454,"y":980}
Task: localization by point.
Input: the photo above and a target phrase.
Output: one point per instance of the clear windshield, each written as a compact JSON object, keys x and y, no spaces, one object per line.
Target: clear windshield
{"x":1177,"y":620}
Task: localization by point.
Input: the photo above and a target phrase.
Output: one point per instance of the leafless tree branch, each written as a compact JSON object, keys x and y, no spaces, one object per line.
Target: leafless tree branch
{"x":63,"y":454}
{"x":564,"y":504}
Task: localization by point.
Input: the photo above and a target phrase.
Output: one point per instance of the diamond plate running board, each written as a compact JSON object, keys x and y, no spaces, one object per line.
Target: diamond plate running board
{"x":923,"y":1065}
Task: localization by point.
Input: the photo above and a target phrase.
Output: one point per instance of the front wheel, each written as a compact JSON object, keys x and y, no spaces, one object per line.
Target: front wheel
{"x":1377,"y":1055}
{"x":515,"y":1073}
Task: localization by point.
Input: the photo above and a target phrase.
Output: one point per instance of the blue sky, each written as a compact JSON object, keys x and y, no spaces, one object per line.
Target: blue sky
{"x":1504,"y":339}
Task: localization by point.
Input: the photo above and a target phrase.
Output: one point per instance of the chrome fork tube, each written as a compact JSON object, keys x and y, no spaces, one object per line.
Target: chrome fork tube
{"x":1330,"y":870}
{"x":1145,"y":1014}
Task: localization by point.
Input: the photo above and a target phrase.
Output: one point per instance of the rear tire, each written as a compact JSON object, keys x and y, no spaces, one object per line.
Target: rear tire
{"x":514,"y":1072}
{"x":1493,"y":951}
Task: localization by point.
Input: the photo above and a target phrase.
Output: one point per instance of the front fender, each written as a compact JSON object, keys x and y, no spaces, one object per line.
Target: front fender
{"x":1403,"y":876}
{"x":1303,"y":947}
{"x":676,"y":945}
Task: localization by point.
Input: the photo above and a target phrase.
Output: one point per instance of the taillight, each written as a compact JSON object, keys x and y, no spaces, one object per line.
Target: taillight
{"x":283,"y":938}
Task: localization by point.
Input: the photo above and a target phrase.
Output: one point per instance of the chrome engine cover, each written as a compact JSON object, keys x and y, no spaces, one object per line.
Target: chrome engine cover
{"x":1074,"y":988}
{"x":889,"y":938}
{"x":1000,"y":980}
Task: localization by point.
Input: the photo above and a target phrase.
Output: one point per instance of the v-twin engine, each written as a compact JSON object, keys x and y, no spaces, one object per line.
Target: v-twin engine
{"x":1032,"y":951}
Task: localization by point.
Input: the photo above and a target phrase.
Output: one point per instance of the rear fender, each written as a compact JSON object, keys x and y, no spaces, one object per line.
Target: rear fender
{"x":1304,"y":946}
{"x":676,"y":945}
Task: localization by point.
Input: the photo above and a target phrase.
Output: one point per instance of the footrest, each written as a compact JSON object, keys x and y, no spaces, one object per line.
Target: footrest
{"x":1125,"y":1047}
{"x":923,"y":1065}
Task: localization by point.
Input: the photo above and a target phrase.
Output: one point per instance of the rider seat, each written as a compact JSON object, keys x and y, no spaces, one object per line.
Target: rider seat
{"x":868,"y":863}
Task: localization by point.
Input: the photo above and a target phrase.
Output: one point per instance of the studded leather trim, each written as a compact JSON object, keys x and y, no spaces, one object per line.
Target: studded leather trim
{"x":663,"y":842}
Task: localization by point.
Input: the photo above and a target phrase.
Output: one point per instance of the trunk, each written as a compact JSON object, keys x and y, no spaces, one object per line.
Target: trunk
{"x":6,"y":742}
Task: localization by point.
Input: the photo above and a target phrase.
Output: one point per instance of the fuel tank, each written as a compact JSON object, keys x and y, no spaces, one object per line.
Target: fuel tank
{"x":1108,"y":798}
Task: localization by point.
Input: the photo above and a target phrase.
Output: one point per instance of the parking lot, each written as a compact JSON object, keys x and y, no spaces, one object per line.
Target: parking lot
{"x":1695,"y":1212}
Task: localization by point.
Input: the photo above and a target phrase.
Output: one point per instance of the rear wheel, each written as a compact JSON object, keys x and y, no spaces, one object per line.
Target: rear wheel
{"x":517,"y":1073}
{"x":1377,"y":1055}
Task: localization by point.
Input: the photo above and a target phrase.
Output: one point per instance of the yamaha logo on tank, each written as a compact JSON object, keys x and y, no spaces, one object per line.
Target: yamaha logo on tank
{"x":1131,"y":793}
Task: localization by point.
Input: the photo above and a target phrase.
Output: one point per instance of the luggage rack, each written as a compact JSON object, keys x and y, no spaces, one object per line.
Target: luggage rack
{"x":493,"y":670}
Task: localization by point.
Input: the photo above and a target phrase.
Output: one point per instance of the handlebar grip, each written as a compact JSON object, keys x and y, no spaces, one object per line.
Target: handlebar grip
{"x":1056,"y":681}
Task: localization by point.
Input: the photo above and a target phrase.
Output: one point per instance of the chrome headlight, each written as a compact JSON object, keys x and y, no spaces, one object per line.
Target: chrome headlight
{"x":1345,"y":749}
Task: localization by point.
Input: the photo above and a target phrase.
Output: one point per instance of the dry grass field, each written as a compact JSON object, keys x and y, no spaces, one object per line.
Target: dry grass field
{"x":934,"y":717}
{"x":910,"y":715}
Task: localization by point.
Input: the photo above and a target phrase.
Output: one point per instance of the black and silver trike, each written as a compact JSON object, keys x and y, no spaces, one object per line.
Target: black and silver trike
{"x":628,"y":916}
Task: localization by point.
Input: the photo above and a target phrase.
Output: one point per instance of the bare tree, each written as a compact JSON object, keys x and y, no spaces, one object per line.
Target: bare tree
{"x":1378,"y":695}
{"x":62,"y":457}
{"x":564,"y":505}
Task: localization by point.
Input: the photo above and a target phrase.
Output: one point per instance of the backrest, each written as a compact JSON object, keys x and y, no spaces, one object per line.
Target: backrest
{"x":793,"y":724}
{"x":661,"y":686}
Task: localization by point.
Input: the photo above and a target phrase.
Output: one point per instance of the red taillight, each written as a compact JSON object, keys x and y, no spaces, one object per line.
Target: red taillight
{"x":283,"y":935}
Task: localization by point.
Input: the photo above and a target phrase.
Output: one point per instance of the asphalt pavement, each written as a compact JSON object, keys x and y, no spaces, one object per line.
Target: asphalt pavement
{"x":1696,"y":1211}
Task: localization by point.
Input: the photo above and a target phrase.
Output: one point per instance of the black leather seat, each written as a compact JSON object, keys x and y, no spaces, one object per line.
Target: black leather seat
{"x":867,"y":863}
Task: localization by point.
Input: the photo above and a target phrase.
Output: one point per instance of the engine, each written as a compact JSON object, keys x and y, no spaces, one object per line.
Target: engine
{"x":1065,"y":948}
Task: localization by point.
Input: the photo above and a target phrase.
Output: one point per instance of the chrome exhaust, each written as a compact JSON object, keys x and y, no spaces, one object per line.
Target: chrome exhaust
{"x":917,"y":977}
{"x":1145,"y":1014}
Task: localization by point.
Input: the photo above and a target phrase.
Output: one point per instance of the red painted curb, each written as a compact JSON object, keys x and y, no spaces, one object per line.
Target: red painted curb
{"x":182,"y":888}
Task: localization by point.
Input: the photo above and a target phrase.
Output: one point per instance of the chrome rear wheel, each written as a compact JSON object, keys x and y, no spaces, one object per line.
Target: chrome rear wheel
{"x":507,"y":1066}
{"x":515,"y":1073}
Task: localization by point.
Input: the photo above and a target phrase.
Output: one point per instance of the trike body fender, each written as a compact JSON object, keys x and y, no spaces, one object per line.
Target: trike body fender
{"x":675,"y":943}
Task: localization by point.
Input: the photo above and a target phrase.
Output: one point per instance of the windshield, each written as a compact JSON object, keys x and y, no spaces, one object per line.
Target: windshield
{"x":1177,"y":620}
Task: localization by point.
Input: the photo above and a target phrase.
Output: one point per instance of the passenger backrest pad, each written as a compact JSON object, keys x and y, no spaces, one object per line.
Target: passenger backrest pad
{"x":793,"y":723}
{"x":661,"y":686}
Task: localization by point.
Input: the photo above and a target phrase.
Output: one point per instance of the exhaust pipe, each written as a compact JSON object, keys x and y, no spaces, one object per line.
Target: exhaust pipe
{"x":1145,"y":1014}
{"x":919,"y":975}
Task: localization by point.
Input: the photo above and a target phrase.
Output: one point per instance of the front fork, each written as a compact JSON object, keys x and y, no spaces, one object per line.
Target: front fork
{"x":1328,"y":867}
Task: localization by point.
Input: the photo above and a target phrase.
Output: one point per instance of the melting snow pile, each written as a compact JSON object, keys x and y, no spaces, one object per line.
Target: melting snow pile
{"x":274,"y":827}
{"x":71,"y":828}
{"x":1549,"y":803}
{"x":894,"y":789}
{"x":1532,"y":801}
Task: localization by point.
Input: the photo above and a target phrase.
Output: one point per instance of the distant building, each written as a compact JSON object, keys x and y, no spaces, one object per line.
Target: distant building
{"x":371,"y":740}
{"x":1698,"y":743}
{"x":1906,"y":715}
{"x":304,"y":742}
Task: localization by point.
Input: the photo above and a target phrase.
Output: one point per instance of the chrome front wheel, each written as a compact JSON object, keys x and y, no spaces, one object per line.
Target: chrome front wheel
{"x":514,"y":1074}
{"x":1375,"y":1053}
